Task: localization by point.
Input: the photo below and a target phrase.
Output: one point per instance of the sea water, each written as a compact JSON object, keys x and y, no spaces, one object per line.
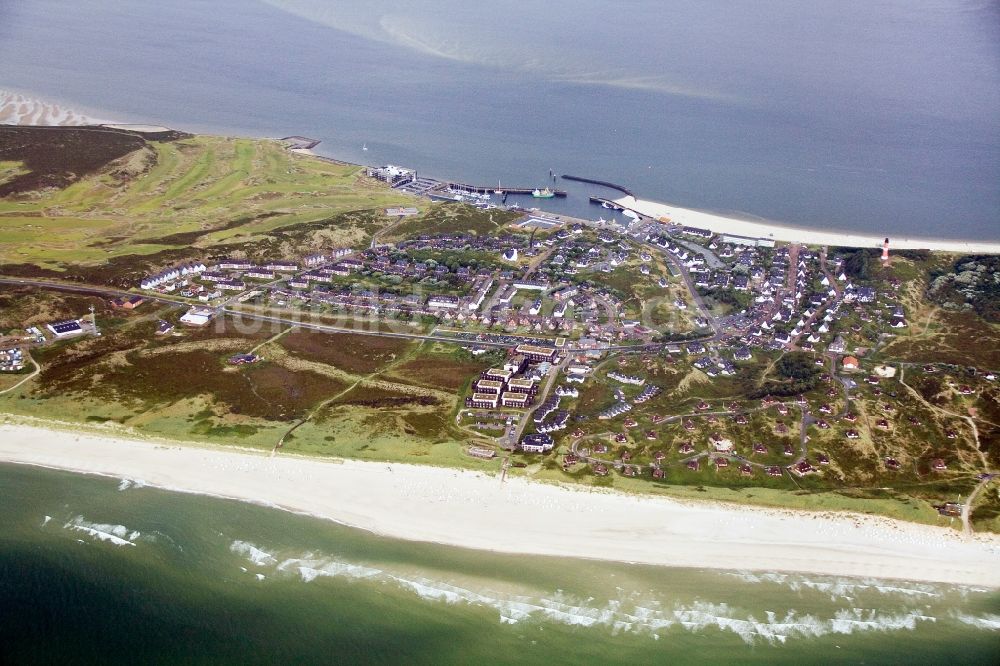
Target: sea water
{"x":856,"y":115}
{"x":110,"y":570}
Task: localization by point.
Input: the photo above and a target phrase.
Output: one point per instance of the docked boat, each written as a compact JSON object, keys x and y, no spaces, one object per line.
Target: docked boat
{"x":543,"y":194}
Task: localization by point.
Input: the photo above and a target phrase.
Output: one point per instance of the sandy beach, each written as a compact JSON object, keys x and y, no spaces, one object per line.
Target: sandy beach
{"x":475,"y":510}
{"x":723,"y":224}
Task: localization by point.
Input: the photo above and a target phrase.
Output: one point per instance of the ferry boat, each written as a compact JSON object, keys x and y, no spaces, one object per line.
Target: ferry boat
{"x":543,"y":194}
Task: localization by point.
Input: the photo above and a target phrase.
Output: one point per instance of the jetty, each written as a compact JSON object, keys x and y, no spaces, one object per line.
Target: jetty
{"x":463,"y":187}
{"x":606,"y":203}
{"x":300,"y":142}
{"x":602,"y":183}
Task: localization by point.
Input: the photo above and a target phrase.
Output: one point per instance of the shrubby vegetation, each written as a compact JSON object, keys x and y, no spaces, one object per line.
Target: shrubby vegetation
{"x":794,"y":373}
{"x":973,"y":283}
{"x":858,"y":262}
{"x":737,"y":300}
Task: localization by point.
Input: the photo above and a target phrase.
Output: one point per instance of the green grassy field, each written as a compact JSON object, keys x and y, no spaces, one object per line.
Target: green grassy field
{"x":193,"y":192}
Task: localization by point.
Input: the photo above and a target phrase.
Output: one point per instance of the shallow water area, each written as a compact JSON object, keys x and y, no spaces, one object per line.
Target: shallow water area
{"x":110,"y":561}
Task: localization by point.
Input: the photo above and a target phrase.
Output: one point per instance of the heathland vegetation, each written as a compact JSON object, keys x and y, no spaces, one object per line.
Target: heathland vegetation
{"x":122,"y":205}
{"x":76,"y":197}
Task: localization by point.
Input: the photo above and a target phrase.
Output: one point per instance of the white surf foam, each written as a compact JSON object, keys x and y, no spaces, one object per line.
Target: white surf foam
{"x":618,"y":615}
{"x":118,"y":535}
{"x":252,"y":553}
{"x":987,"y":621}
{"x":847,"y":589}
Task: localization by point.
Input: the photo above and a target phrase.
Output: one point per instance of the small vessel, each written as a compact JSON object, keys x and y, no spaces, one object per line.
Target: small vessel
{"x":364,"y":147}
{"x":543,"y":194}
{"x":499,"y":190}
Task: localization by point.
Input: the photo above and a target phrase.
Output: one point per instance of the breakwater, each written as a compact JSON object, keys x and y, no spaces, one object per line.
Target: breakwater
{"x":606,"y":203}
{"x":602,"y":183}
{"x":463,"y":187}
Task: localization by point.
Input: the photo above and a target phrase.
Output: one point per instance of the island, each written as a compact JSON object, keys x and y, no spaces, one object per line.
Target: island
{"x":406,"y":355}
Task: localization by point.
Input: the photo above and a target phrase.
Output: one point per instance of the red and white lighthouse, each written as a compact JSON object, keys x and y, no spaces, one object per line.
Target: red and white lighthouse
{"x":885,"y":250}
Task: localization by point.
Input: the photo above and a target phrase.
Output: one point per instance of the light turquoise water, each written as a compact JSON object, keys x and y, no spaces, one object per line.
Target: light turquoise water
{"x":104,"y":569}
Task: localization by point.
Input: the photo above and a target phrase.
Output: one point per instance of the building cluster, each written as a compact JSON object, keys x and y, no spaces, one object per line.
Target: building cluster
{"x":171,"y":276}
{"x":208,"y":282}
{"x":782,"y":297}
{"x":395,"y":176}
{"x":11,"y":359}
{"x":516,"y":383}
{"x":475,"y":288}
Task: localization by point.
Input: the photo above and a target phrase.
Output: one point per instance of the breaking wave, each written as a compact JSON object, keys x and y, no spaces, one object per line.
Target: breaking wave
{"x":118,"y":535}
{"x":988,"y":621}
{"x":847,"y":589}
{"x":647,"y":616}
{"x":252,"y":553}
{"x":131,"y":483}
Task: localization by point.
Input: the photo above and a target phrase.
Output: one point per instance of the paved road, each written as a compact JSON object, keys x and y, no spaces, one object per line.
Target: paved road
{"x":713,"y":321}
{"x":542,"y":397}
{"x":88,"y":289}
{"x":111,"y":292}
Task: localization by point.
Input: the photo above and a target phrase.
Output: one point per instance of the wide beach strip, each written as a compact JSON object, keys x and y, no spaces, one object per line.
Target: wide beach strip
{"x":476,"y":511}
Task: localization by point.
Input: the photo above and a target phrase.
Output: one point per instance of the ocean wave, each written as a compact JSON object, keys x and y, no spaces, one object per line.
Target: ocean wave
{"x":989,"y":621}
{"x":252,"y":553}
{"x":118,"y":535}
{"x":309,"y":569}
{"x":131,"y":483}
{"x":619,"y":615}
{"x":847,"y":589}
{"x":849,"y":621}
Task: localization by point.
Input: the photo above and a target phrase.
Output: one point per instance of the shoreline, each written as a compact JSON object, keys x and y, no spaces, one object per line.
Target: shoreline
{"x":776,"y":231}
{"x":716,"y":222}
{"x":474,"y":510}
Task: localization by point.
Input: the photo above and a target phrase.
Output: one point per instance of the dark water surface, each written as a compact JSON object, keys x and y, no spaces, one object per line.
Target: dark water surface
{"x":853,"y":115}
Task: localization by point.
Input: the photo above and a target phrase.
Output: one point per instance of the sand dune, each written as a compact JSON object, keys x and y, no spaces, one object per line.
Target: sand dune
{"x":475,"y":510}
{"x":18,"y":109}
